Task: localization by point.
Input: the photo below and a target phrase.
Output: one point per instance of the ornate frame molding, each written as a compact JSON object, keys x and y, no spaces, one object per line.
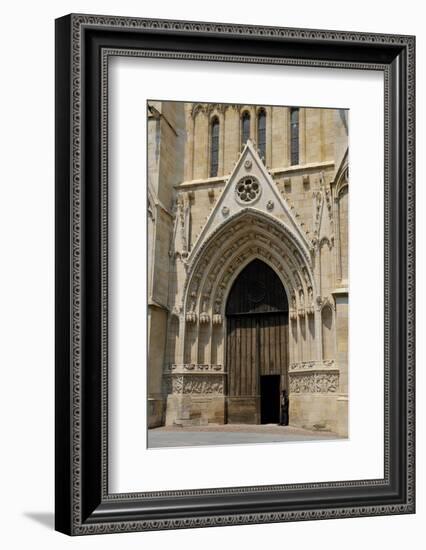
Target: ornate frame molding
{"x":84,"y":44}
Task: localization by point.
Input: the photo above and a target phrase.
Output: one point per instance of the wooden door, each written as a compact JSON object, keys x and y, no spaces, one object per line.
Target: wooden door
{"x":256,"y":345}
{"x":256,"y":339}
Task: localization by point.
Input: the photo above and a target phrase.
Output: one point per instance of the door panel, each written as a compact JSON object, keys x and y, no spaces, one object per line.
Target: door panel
{"x":256,"y":340}
{"x":273,"y":343}
{"x":241,"y":355}
{"x":256,"y":345}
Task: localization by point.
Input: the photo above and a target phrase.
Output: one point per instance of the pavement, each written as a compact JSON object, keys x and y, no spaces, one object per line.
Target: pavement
{"x":231,"y":434}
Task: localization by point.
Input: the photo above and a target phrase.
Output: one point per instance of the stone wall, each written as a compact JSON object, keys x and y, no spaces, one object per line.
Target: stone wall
{"x":166,"y":138}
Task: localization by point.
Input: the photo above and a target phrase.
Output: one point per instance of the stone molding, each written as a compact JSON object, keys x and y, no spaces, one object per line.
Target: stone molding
{"x":250,"y":235}
{"x":194,"y":368}
{"x":313,"y":366}
{"x":195,"y":384}
{"x":314,"y":382}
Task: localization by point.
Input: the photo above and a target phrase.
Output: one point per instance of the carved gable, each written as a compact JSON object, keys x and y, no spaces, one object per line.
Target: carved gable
{"x":250,"y":185}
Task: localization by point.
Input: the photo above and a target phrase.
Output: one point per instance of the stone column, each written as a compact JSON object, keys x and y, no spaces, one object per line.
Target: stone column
{"x":232,"y":122}
{"x":201,"y":143}
{"x":181,"y":340}
{"x":220,"y":171}
{"x":311,"y":135}
{"x":279,"y":137}
{"x":189,"y":157}
{"x":209,"y":343}
{"x":342,"y":334}
{"x":302,"y":136}
{"x":300,"y":320}
{"x":318,"y":335}
{"x":269,"y":122}
{"x":195,"y":331}
{"x":253,"y":124}
{"x":337,"y":263}
{"x":318,"y":321}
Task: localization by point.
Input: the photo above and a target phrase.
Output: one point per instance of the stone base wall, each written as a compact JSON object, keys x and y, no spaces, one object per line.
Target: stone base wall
{"x":243,"y":410}
{"x":342,"y":425}
{"x":195,"y":410}
{"x":156,"y":411}
{"x":313,"y":411}
{"x":308,"y":411}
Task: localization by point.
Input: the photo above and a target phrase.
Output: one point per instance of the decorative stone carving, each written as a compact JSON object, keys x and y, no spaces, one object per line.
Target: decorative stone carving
{"x":247,"y":164}
{"x":225,"y":211}
{"x":198,"y":108}
{"x":255,"y":235}
{"x":216,"y":367}
{"x":216,"y":107}
{"x":208,"y":108}
{"x":176,"y":311}
{"x":189,"y":366}
{"x":203,"y":385}
{"x":323,"y":301}
{"x":315,"y":382}
{"x":305,"y":365}
{"x":270,"y":205}
{"x":194,"y":367}
{"x":176,"y":384}
{"x":302,"y":384}
{"x":217,"y":319}
{"x":204,"y":318}
{"x":312,"y":365}
{"x":248,"y":189}
{"x":182,"y":211}
{"x":198,"y":384}
{"x":326,"y":382}
{"x":191,"y":317}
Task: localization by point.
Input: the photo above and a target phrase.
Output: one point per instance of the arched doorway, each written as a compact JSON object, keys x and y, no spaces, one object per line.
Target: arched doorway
{"x":256,"y":345}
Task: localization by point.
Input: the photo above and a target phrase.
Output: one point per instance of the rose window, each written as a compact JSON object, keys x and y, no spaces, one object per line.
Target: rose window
{"x":248,"y":189}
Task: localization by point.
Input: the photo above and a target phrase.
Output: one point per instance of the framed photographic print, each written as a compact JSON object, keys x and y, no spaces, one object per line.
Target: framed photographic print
{"x":234,"y":274}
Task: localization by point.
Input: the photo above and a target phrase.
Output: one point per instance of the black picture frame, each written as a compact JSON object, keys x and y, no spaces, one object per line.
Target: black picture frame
{"x":83,"y":45}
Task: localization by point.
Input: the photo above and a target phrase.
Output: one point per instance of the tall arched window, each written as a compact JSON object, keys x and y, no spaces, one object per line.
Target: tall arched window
{"x":214,"y":147}
{"x":245,"y":128}
{"x":294,"y":136}
{"x":261,"y":133}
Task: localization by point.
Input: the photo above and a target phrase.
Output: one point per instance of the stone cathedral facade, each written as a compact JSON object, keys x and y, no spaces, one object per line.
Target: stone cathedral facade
{"x":247,"y":264}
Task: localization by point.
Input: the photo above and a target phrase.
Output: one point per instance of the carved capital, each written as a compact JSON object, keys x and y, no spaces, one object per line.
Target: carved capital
{"x":191,"y":317}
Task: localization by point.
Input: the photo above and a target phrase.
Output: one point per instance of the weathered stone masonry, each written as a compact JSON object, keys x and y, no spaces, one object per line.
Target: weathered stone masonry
{"x":204,"y":231}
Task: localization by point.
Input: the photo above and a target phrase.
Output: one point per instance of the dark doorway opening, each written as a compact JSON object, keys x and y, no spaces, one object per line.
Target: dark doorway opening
{"x":270,"y":399}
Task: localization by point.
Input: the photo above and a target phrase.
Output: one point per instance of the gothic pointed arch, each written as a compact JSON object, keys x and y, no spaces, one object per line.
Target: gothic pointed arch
{"x":247,"y":235}
{"x":256,"y":289}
